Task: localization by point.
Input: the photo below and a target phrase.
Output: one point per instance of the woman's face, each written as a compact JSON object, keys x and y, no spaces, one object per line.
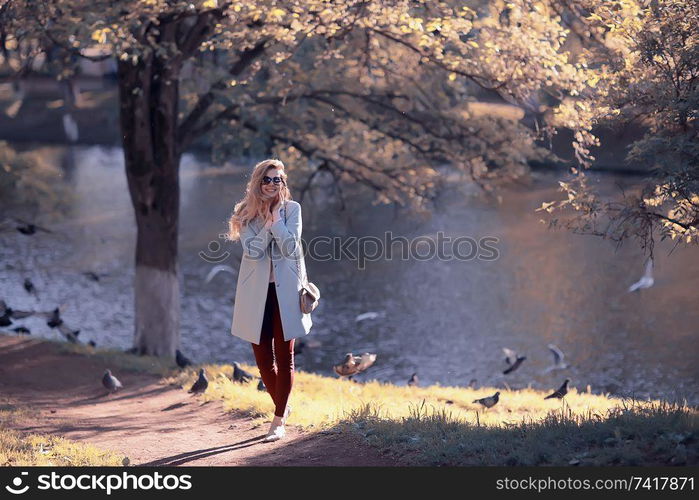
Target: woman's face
{"x":271,"y":190}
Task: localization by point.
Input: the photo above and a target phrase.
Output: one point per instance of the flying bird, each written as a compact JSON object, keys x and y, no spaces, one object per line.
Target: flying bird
{"x":301,"y":343}
{"x":348,"y":367}
{"x":513,"y":359}
{"x":70,"y":334}
{"x":217,"y":269}
{"x":368,"y":315}
{"x":70,"y":127}
{"x":489,"y":401}
{"x":181,"y":360}
{"x":110,"y":382}
{"x":560,"y":392}
{"x":558,"y":359}
{"x":366,"y":360}
{"x":413,"y":382}
{"x":201,"y":384}
{"x":646,"y":280}
{"x":240,"y":375}
{"x":93,"y":276}
{"x":29,"y":286}
{"x":54,"y":318}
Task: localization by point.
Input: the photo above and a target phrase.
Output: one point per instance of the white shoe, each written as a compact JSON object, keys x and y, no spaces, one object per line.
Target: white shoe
{"x":279,"y":432}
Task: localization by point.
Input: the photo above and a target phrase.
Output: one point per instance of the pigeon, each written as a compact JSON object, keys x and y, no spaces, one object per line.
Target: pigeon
{"x":54,"y":318}
{"x":201,"y":384}
{"x":261,"y":386}
{"x":413,"y":382}
{"x":70,"y":334}
{"x":110,"y":382}
{"x":366,"y":360}
{"x":29,"y":286}
{"x":5,"y":320}
{"x":558,"y":356}
{"x":646,"y":280}
{"x":70,"y":127}
{"x":301,"y":344}
{"x":28,"y":229}
{"x":489,"y":401}
{"x":348,"y":367}
{"x":367,"y":315}
{"x":217,"y":269}
{"x":240,"y":375}
{"x":182,"y":360}
{"x":560,"y":392}
{"x":22,"y":330}
{"x":515,"y":365}
{"x":91,"y":275}
{"x":513,"y":359}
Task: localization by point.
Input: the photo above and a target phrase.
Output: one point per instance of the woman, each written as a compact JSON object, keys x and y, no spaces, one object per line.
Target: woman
{"x":267,"y":312}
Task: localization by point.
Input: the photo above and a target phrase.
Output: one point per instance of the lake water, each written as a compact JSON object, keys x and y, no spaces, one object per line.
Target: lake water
{"x":447,"y":320}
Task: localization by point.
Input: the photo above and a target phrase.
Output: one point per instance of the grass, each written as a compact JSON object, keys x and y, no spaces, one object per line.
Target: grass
{"x":440,"y":425}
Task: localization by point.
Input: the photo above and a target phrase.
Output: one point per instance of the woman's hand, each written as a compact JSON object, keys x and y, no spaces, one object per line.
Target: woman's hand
{"x":274,"y":216}
{"x":276,"y":212}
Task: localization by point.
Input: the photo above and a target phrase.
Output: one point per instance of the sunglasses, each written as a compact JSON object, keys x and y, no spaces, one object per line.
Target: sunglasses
{"x":266,"y":180}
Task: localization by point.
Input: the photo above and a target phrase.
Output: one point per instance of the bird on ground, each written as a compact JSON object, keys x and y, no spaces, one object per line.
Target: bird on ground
{"x":182,"y":360}
{"x":110,"y":382}
{"x":560,"y":392}
{"x":22,"y":330}
{"x":489,"y":401}
{"x":240,"y":375}
{"x":261,"y":386}
{"x":413,"y":382}
{"x":217,"y":269}
{"x":646,"y":280}
{"x":513,"y":359}
{"x":29,"y":286}
{"x":558,"y":359}
{"x":201,"y":384}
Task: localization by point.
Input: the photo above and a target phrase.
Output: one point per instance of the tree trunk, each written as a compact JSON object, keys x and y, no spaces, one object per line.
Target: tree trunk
{"x":148,"y":97}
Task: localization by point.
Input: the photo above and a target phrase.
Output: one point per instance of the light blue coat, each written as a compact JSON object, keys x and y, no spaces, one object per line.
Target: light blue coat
{"x":282,"y":244}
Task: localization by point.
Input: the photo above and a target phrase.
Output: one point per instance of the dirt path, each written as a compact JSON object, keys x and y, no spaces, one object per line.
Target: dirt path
{"x":151,"y":423}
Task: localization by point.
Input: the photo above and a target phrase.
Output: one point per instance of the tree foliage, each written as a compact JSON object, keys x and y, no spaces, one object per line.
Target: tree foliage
{"x":366,"y":91}
{"x":647,"y":66}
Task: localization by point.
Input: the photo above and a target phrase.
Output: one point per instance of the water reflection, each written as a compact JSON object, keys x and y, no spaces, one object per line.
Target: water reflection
{"x":447,"y":320}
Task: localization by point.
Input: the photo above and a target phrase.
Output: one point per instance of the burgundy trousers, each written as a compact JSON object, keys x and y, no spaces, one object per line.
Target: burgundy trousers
{"x":274,"y":356}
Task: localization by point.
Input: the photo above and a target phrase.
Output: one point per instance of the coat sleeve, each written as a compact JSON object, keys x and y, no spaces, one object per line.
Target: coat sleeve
{"x":254,"y":244}
{"x":288,"y":236}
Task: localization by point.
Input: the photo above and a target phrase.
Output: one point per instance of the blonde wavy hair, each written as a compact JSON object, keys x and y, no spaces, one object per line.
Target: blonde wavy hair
{"x":253,"y":205}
